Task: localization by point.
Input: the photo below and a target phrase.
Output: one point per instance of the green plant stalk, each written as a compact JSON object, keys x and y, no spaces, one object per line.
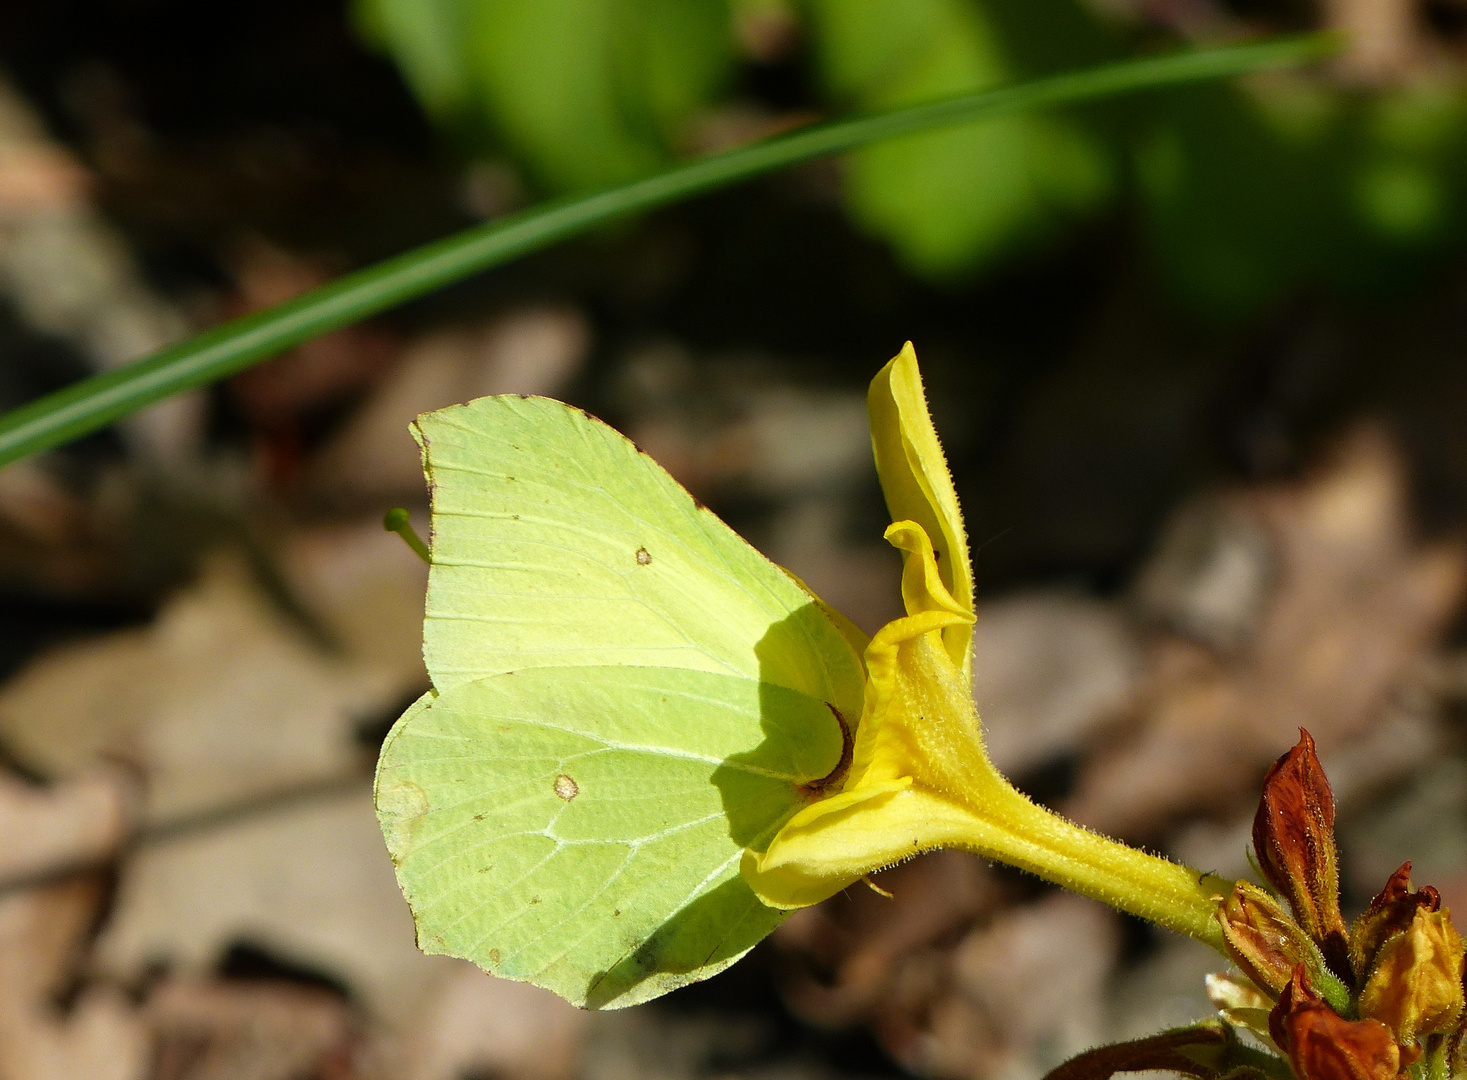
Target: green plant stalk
{"x":95,"y":402}
{"x":1016,"y":831}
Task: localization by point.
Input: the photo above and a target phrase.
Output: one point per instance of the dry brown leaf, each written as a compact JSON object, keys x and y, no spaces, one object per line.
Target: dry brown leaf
{"x":80,"y":821}
{"x":474,"y":1024}
{"x":1026,"y":992}
{"x":309,"y":882}
{"x":231,"y":1030}
{"x":222,"y":699}
{"x":43,"y":934}
{"x":68,"y":272}
{"x":845,"y":953}
{"x":1387,"y":38}
{"x":54,"y":544}
{"x":1048,"y":669}
{"x":1357,"y":605}
{"x":316,"y":372}
{"x":366,"y":587}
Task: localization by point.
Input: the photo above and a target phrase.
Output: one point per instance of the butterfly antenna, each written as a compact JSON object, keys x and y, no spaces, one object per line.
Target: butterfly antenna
{"x":397,"y":520}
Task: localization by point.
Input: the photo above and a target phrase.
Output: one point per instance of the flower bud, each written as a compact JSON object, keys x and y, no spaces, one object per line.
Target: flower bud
{"x":1322,"y":1045}
{"x":1415,"y":984}
{"x":1265,"y":943}
{"x":1294,"y":837}
{"x":1389,"y":914}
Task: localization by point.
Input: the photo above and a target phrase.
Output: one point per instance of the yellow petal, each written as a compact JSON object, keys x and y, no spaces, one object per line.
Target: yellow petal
{"x":810,"y":862}
{"x":918,"y":486}
{"x":1416,"y":986}
{"x":919,"y":779}
{"x":923,"y":588}
{"x":917,"y":763}
{"x":908,"y":668}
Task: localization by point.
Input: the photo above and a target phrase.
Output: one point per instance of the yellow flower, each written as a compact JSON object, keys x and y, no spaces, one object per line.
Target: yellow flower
{"x":1415,"y":988}
{"x":919,"y":777}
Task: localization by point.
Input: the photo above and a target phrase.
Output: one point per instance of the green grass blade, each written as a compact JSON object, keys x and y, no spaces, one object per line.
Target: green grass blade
{"x":95,"y":402}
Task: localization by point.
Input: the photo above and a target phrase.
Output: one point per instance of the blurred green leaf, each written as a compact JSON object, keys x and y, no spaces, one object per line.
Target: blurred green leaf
{"x":1410,"y":174}
{"x":961,"y":200}
{"x":592,"y":92}
{"x":425,"y":38}
{"x":585,"y":93}
{"x":1234,"y":207}
{"x":1250,"y":195}
{"x":1245,"y":195}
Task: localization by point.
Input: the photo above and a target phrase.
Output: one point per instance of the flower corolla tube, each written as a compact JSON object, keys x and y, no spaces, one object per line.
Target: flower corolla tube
{"x":919,"y":777}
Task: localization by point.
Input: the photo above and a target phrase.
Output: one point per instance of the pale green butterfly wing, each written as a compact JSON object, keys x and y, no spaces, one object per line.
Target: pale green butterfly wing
{"x":557,"y":543}
{"x":626,"y":696}
{"x":582,"y":828}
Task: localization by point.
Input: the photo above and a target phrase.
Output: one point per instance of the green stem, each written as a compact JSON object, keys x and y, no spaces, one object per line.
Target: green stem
{"x":1436,"y":1065}
{"x":93,"y":403}
{"x":1023,"y":834}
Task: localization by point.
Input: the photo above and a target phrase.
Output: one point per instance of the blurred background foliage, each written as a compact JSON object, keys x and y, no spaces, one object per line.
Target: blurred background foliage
{"x":1243,"y":193}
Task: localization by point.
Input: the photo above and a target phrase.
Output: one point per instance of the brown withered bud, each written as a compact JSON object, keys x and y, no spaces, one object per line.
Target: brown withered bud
{"x":1415,"y":985}
{"x":1294,"y":837}
{"x":1322,"y":1045}
{"x":1263,"y":940}
{"x":1389,"y":914}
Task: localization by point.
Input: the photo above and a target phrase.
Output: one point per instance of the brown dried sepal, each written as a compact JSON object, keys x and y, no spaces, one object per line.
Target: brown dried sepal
{"x":1322,"y":1045}
{"x":1415,"y":985}
{"x":1265,"y":943}
{"x":1294,"y":837}
{"x":1389,"y":914}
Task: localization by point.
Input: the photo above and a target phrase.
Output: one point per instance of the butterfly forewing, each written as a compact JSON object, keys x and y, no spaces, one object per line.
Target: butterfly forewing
{"x":557,"y":543}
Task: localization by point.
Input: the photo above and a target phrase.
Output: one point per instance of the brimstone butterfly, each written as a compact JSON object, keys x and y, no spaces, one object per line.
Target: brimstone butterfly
{"x":626,"y":696}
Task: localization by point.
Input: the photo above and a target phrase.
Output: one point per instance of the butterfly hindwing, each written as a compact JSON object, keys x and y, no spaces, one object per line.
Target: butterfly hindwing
{"x":581,"y":828}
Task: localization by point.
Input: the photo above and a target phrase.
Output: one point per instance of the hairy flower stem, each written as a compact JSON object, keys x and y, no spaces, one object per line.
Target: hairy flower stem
{"x":1049,"y":846}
